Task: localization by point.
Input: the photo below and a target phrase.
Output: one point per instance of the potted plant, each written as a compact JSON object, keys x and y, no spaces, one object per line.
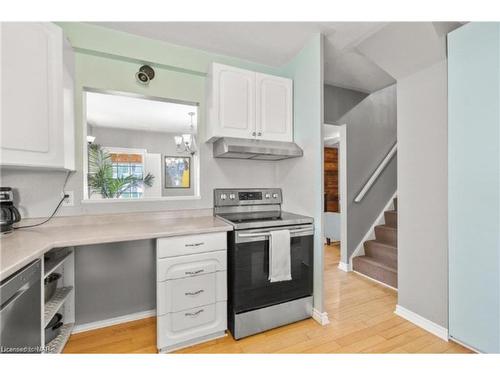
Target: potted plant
{"x":100,"y":176}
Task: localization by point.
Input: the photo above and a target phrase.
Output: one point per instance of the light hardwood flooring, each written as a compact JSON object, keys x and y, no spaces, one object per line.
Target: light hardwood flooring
{"x":361,"y":314}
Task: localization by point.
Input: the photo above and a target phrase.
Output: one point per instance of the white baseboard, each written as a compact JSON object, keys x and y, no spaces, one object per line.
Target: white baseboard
{"x":466,"y":345}
{"x":344,"y":267}
{"x":370,"y":234}
{"x":114,"y":321}
{"x":422,"y":322}
{"x":320,"y":317}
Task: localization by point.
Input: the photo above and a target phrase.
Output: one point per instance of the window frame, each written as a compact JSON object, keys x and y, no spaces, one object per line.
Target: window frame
{"x":195,"y":159}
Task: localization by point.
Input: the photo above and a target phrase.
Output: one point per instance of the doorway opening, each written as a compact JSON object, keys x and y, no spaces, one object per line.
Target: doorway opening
{"x":335,"y":188}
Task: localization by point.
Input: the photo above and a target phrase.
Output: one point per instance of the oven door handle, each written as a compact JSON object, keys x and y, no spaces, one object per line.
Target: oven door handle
{"x":260,"y":234}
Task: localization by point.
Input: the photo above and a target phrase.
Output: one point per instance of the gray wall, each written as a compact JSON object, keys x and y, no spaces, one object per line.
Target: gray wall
{"x":339,"y":101}
{"x":114,"y":279}
{"x":371,"y":132}
{"x":422,"y":193}
{"x":154,"y":142}
{"x":332,"y":225}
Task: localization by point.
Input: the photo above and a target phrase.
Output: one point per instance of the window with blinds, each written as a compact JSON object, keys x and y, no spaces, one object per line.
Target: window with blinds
{"x":125,"y":165}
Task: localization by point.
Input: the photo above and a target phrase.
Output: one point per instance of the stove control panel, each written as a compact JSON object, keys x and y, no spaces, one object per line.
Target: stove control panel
{"x":245,"y":197}
{"x":250,"y":196}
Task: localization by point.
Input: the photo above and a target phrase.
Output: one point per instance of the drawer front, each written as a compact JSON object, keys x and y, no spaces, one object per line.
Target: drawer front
{"x":182,"y":294}
{"x":184,"y":245}
{"x":190,"y":265}
{"x":175,"y":328}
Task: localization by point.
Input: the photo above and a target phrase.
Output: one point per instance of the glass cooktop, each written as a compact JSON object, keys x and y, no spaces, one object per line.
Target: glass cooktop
{"x":263,"y":219}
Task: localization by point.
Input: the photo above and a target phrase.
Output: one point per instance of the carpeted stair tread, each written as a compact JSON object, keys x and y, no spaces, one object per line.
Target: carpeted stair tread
{"x":386,"y":234}
{"x":391,"y":218}
{"x":376,"y":270}
{"x":382,"y":252}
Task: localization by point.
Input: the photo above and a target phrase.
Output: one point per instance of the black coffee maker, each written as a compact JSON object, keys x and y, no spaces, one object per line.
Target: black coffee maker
{"x":10,"y":214}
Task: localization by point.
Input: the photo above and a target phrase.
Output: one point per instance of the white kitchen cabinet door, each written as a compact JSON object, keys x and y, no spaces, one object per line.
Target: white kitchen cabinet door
{"x":36,"y":97}
{"x":189,"y":327}
{"x":233,"y":103}
{"x":274,"y":108}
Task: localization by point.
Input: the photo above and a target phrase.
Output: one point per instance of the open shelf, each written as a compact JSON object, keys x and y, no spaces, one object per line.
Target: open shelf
{"x":52,"y":264}
{"x":57,"y":345}
{"x":55,"y":303}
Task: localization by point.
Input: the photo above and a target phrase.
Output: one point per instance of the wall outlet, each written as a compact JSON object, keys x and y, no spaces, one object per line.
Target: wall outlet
{"x":69,"y":201}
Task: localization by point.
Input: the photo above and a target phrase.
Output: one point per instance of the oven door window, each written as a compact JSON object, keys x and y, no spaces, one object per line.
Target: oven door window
{"x":249,"y":285}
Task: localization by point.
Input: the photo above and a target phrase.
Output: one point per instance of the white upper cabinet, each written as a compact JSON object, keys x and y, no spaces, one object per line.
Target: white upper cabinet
{"x":233,"y":102}
{"x":37,"y":118}
{"x":274,"y":108}
{"x":246,"y":104}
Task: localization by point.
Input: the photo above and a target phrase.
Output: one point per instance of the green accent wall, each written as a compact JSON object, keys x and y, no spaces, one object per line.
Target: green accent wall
{"x":101,"y":41}
{"x":302,"y":178}
{"x":474,"y":185}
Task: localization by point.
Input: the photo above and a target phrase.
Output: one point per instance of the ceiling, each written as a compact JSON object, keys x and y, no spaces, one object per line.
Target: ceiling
{"x":125,"y":112}
{"x":364,"y":56}
{"x":275,"y":44}
{"x":403,"y":48}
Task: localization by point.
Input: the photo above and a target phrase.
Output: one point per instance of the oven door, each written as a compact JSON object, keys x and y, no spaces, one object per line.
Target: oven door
{"x":248,"y":255}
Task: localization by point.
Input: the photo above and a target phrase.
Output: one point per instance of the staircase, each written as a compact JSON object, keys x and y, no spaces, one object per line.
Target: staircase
{"x":380,"y":261}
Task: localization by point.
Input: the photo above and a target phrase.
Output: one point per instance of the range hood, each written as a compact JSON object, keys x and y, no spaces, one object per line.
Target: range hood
{"x":237,"y":148}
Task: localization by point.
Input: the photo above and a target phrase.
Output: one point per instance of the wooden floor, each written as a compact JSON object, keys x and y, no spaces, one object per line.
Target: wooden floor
{"x":362,"y":320}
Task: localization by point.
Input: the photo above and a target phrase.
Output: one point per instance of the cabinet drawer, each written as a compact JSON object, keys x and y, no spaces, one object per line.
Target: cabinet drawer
{"x":187,"y":293}
{"x":184,"y":245}
{"x":175,"y":328}
{"x":190,"y":265}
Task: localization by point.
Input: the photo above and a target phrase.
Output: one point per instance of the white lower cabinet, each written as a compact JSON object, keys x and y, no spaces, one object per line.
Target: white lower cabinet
{"x":189,"y":327}
{"x":183,"y":294}
{"x":191,"y":290}
{"x":190,"y":265}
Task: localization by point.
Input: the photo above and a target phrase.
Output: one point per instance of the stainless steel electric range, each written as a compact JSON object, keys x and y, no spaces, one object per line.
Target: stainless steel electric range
{"x":254,"y":303}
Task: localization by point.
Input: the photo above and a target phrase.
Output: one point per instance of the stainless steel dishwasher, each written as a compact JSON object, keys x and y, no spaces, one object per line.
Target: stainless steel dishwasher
{"x":20,"y":311}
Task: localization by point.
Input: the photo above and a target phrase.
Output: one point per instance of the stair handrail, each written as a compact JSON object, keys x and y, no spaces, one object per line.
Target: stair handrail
{"x":383,"y":164}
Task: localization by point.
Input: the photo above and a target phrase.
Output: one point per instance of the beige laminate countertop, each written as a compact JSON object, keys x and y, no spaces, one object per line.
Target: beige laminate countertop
{"x":25,"y":245}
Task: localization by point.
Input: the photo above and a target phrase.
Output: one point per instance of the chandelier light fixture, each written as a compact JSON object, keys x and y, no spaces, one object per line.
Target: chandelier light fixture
{"x":186,"y":142}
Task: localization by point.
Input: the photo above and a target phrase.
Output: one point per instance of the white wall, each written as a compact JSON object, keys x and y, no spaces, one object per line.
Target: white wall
{"x":422,"y":193}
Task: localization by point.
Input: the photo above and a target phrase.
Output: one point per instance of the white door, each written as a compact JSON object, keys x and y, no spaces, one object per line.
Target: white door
{"x":234,"y":102}
{"x":31,"y":81}
{"x":274,"y":108}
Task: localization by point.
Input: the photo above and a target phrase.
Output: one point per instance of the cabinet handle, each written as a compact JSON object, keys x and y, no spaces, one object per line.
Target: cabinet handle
{"x":194,"y":272}
{"x":253,"y":134}
{"x":194,"y":293}
{"x":259,"y":134}
{"x":194,"y":244}
{"x":194,"y":314}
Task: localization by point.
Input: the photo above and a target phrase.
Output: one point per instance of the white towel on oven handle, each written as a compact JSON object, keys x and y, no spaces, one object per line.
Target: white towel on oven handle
{"x":280,"y":268}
